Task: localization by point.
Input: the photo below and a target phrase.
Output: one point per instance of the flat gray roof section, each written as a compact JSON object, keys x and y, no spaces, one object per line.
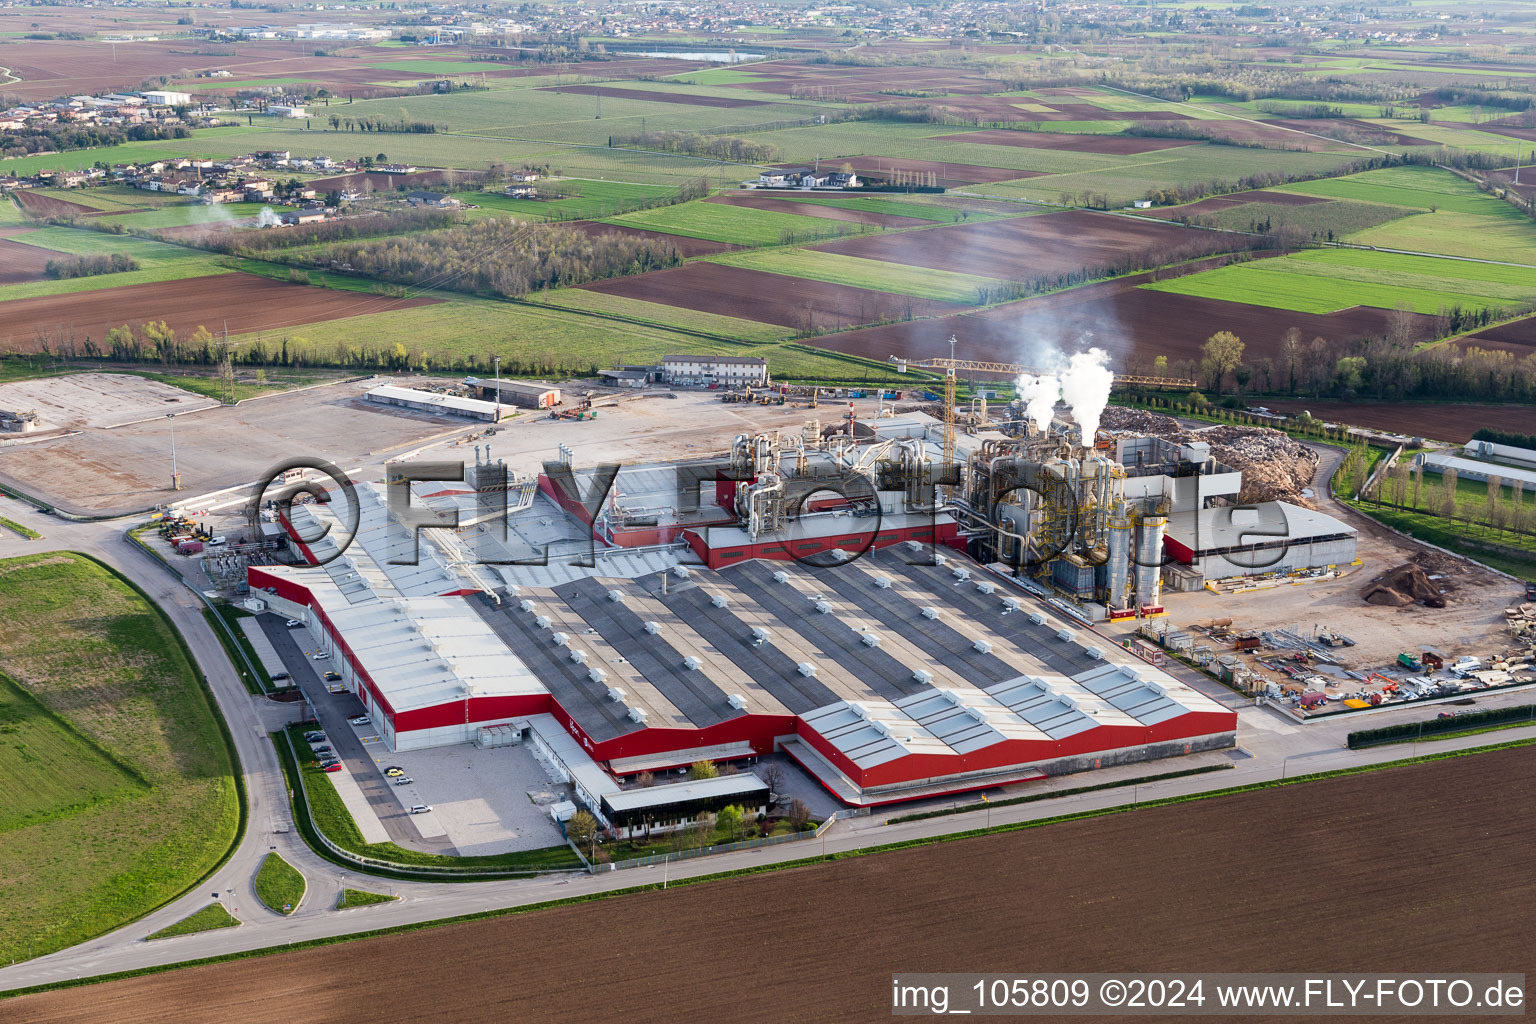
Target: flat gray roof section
{"x":691,"y":692}
{"x":881,"y":672}
{"x":584,"y":700}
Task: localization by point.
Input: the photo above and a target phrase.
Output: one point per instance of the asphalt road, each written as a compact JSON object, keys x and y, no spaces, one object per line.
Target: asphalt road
{"x":1278,"y":748}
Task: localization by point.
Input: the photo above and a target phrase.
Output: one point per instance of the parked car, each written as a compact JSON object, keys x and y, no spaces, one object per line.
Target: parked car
{"x":420,"y":808}
{"x":359,"y":720}
{"x":323,"y":748}
{"x":280,"y":675}
{"x":320,"y":655}
{"x":293,"y":622}
{"x":405,"y":780}
{"x":334,"y":766}
{"x":395,"y":773}
{"x":331,"y":677}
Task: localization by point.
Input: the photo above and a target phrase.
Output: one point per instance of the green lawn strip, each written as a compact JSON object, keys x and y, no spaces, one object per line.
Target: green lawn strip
{"x":91,"y":648}
{"x":778,"y":866}
{"x":225,"y":623}
{"x":893,"y":207}
{"x":898,"y":278}
{"x":350,"y":898}
{"x":335,"y":821}
{"x":662,"y":315}
{"x":210,"y":917}
{"x":1486,"y":236}
{"x":1470,"y":723}
{"x":15,"y":527}
{"x":737,"y":225}
{"x":1384,"y":267}
{"x":157,"y":261}
{"x":591,"y":199}
{"x":210,"y":387}
{"x":279,"y":884}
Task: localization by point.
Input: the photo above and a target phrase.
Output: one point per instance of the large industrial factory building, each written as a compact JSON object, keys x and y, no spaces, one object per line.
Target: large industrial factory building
{"x":900,"y":633}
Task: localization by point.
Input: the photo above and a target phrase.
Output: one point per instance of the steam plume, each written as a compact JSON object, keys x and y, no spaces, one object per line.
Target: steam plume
{"x":1039,"y":395}
{"x":1085,"y":387}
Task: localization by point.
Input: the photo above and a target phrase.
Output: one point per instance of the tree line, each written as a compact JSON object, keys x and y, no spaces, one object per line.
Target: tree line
{"x":714,"y":147}
{"x":59,"y":138}
{"x":89,"y":266}
{"x":499,"y":256}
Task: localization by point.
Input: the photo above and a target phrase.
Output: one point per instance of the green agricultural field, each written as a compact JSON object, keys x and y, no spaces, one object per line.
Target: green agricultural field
{"x":196,"y":213}
{"x":158,"y":261}
{"x":126,"y":793}
{"x":1324,"y":281}
{"x":663,"y":315}
{"x":434,"y":67}
{"x":210,"y":917}
{"x":862,"y":273}
{"x":1419,"y":188}
{"x":734,"y":224}
{"x":1336,"y":219}
{"x":591,"y":200}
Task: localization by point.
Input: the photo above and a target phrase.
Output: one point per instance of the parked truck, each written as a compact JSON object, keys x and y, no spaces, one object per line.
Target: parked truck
{"x":1409,"y":662}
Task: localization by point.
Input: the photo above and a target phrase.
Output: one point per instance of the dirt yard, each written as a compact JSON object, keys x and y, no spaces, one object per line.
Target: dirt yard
{"x":1210,"y":885}
{"x":246,"y":301}
{"x":98,"y":399}
{"x":771,"y":298}
{"x":128,"y":468}
{"x":1440,"y":421}
{"x":20,"y":263}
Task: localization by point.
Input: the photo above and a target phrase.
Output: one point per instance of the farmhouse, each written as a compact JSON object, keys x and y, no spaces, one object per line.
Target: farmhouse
{"x":436,"y":200}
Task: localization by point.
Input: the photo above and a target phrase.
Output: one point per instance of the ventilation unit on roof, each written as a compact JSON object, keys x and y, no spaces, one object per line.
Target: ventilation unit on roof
{"x":525,"y":604}
{"x":823,"y":606}
{"x":579,"y":657}
{"x":984,"y":646}
{"x":986,"y":587}
{"x":805,"y":668}
{"x":883,"y":582}
{"x":760,"y":636}
{"x":961,"y":573}
{"x":737,"y":701}
{"x":561,"y":639}
{"x":922,"y":677}
{"x":880,"y":727}
{"x":871,"y":639}
{"x":513,"y":590}
{"x":939,"y":559}
{"x":859,"y":710}
{"x":596,"y":674}
{"x":1064,"y":633}
{"x":979,"y":715}
{"x":653,"y":628}
{"x":913,"y":545}
{"x":615,"y":693}
{"x":1038,"y":618}
{"x":930,"y":612}
{"x":1096,"y":653}
{"x":542,"y":622}
{"x":1010,"y":604}
{"x":719,"y":600}
{"x":681,"y":572}
{"x":781,"y":576}
{"x":637,"y":714}
{"x":691,"y":663}
{"x":616,"y":596}
{"x":1129,"y":671}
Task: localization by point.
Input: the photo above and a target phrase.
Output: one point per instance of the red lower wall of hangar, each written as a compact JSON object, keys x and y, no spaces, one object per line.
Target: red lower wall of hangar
{"x":758,"y":730}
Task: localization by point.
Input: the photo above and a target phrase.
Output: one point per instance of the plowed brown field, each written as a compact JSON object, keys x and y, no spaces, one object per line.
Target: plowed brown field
{"x":768,"y":202}
{"x":20,"y":263}
{"x":248,"y":302}
{"x":1027,"y":247}
{"x":1116,"y":316}
{"x":1429,"y":869}
{"x":770,"y":298}
{"x":687,"y":247}
{"x":1450,"y":421}
{"x":1518,"y":337}
{"x":52,"y":206}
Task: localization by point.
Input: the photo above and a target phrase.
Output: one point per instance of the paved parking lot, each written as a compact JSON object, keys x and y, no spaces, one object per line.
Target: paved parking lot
{"x":479,"y":797}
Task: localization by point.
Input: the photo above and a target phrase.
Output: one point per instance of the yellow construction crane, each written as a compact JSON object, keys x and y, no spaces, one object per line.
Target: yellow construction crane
{"x":951,"y":366}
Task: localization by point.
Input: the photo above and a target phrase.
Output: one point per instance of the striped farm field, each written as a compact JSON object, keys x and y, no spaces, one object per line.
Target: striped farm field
{"x":899,"y":278}
{"x":1419,"y":188}
{"x":733,"y":224}
{"x":1328,"y":280}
